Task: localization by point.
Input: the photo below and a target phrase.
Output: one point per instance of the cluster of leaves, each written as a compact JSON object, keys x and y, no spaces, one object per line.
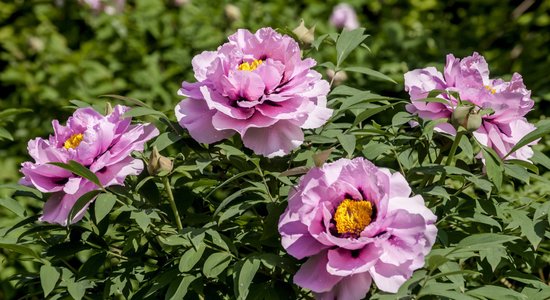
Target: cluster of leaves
{"x":493,"y":225}
{"x":490,"y":242}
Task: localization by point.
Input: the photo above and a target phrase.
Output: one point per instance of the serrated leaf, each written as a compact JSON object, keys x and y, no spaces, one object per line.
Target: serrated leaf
{"x":103,"y":205}
{"x":191,"y":257}
{"x":215,"y":264}
{"x":79,"y":170}
{"x":48,"y":278}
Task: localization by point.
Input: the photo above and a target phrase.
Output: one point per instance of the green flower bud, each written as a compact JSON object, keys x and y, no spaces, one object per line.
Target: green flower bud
{"x":459,"y":117}
{"x":304,"y":34}
{"x":339,"y":77}
{"x":158,"y":164}
{"x":474,"y":122}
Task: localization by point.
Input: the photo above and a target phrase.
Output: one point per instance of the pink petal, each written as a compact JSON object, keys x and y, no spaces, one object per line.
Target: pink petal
{"x":194,"y":115}
{"x":276,"y":140}
{"x":313,"y":274}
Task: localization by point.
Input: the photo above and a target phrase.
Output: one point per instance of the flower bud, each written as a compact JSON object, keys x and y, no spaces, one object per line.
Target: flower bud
{"x":232,"y":12}
{"x":158,"y":164}
{"x":304,"y":34}
{"x":464,"y":116}
{"x":474,"y":122}
{"x":339,"y":77}
{"x":459,"y":117}
{"x":108,"y":108}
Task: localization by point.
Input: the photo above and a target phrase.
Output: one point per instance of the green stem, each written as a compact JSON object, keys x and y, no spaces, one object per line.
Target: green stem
{"x":172,"y":202}
{"x":452,"y":152}
{"x":451,"y":155}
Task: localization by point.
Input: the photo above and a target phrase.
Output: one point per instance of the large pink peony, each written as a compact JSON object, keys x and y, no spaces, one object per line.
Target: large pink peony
{"x":356,"y":223}
{"x":258,"y":86}
{"x":511,"y":101}
{"x":101,"y":143}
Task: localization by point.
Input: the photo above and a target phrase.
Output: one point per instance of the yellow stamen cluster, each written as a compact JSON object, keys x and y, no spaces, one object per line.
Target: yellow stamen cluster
{"x":490,"y":89}
{"x":246,"y":66}
{"x":73,"y":141}
{"x":352,"y":216}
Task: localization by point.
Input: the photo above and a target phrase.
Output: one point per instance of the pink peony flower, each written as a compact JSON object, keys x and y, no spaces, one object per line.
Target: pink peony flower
{"x":469,"y":77}
{"x":356,"y":223}
{"x":258,"y":86}
{"x":101,"y":143}
{"x":343,"y":16}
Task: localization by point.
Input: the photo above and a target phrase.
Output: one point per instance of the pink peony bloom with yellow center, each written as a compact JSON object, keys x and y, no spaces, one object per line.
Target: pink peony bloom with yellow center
{"x":355,"y":223}
{"x":256,"y":85}
{"x":469,"y":77}
{"x":103,"y":144}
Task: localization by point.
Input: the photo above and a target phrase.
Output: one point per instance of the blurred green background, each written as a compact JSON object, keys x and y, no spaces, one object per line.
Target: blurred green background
{"x":52,"y":52}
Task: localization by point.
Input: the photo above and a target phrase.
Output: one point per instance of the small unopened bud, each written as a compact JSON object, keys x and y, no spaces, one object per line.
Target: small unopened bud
{"x":474,"y":122}
{"x":108,"y":108}
{"x":36,"y":44}
{"x":232,"y":12}
{"x":158,"y":164}
{"x":337,"y":78}
{"x":464,"y":116}
{"x":304,"y":34}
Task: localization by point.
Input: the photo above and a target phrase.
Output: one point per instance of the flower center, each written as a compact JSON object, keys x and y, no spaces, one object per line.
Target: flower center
{"x":490,"y":89}
{"x":246,"y":66}
{"x":352,"y":216}
{"x":73,"y":141}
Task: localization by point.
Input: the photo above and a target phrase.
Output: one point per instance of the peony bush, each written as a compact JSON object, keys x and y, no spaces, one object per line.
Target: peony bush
{"x":263,"y":180}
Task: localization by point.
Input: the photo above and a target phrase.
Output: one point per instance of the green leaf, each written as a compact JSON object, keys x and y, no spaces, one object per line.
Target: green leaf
{"x":481,"y":240}
{"x":371,"y":112}
{"x":493,"y":165}
{"x":400,"y":118}
{"x":347,"y":42}
{"x":5,"y":134}
{"x":434,"y":100}
{"x":80,"y":204}
{"x":496,"y":292}
{"x":79,"y":170}
{"x":244,"y":275}
{"x":536,"y":134}
{"x":348,"y":143}
{"x":466,"y":147}
{"x":13,"y":205}
{"x":166,"y":139}
{"x":48,"y":278}
{"x":19,"y":249}
{"x":77,"y":289}
{"x":370,"y":72}
{"x":517,"y":172}
{"x":178,"y":289}
{"x":13,"y":111}
{"x":103,"y":205}
{"x":529,"y":229}
{"x":128,"y":99}
{"x":190,"y":258}
{"x":143,"y":111}
{"x":541,"y":158}
{"x":215,"y":264}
